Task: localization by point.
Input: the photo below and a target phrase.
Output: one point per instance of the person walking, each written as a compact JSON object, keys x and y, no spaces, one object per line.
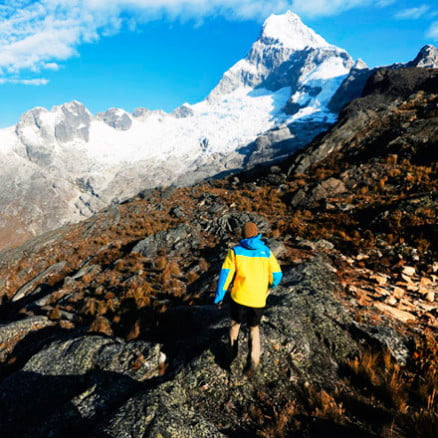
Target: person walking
{"x":255,"y":270}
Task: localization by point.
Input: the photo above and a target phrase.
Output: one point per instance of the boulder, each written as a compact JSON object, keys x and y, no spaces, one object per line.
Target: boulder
{"x":158,"y":413}
{"x":11,"y":334}
{"x":305,"y":338}
{"x":31,"y":286}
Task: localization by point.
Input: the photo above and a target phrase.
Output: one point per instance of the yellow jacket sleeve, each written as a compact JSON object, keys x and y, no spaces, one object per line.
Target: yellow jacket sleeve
{"x":226,"y":276}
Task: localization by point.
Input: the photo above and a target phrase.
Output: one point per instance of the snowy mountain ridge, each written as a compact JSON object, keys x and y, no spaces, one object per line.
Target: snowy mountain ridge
{"x":254,"y":104}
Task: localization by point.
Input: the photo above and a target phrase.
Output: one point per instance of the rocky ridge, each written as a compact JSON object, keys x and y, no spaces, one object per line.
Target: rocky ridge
{"x":123,"y":299}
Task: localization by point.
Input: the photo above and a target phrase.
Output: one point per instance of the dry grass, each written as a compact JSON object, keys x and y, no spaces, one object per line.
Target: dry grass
{"x":409,"y":392}
{"x":101,"y":325}
{"x":55,"y":314}
{"x":423,"y":424}
{"x":282,"y":414}
{"x":325,"y":406}
{"x":135,"y":331}
{"x":378,"y":372}
{"x":281,"y":419}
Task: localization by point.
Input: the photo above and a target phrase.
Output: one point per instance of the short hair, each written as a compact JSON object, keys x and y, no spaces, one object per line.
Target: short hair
{"x":250,"y":230}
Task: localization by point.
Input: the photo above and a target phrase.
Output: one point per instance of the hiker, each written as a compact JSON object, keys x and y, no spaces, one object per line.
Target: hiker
{"x":255,"y":270}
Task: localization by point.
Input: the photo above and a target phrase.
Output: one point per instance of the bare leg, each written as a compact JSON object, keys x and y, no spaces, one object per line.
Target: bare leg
{"x":254,"y":345}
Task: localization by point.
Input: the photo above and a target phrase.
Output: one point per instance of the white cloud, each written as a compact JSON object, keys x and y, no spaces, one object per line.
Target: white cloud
{"x":333,"y":7}
{"x":413,"y":13}
{"x":432,"y":32}
{"x":38,"y":35}
{"x":38,"y":82}
{"x":385,"y":3}
{"x":50,"y":66}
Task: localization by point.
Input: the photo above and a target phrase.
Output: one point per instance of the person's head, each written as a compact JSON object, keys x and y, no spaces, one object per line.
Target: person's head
{"x":250,"y":230}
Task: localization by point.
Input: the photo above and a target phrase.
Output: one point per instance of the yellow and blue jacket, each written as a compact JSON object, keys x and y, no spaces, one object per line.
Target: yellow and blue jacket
{"x":254,"y":269}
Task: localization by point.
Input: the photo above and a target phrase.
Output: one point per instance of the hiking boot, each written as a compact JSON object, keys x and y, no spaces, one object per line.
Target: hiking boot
{"x":250,"y":369}
{"x":232,"y":352}
{"x":234,"y":349}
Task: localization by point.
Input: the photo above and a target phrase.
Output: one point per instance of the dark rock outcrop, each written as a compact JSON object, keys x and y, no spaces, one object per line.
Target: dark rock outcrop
{"x":399,"y":84}
{"x":183,"y":238}
{"x":385,"y":91}
{"x":112,"y":387}
{"x":232,"y":223}
{"x":67,"y":385}
{"x":12,"y":333}
{"x":350,"y":89}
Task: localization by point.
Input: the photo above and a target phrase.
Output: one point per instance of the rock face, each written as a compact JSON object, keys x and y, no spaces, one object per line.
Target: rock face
{"x":351,"y":88}
{"x":11,"y":334}
{"x":144,"y":114}
{"x":326,"y":189}
{"x":182,"y":112}
{"x":182,"y":238}
{"x":313,"y":86}
{"x":40,"y":130}
{"x":353,"y":85}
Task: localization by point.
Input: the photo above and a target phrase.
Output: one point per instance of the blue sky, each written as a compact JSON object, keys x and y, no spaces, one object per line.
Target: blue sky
{"x":161,"y":53}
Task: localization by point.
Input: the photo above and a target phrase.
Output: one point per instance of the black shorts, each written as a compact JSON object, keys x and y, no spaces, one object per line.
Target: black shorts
{"x":250,"y":315}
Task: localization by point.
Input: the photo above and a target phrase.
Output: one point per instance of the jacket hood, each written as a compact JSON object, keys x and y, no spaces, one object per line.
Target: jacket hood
{"x":253,"y":243}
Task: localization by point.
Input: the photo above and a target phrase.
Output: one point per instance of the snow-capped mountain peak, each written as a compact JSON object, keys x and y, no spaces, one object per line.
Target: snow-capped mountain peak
{"x":288,"y":30}
{"x":282,"y":36}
